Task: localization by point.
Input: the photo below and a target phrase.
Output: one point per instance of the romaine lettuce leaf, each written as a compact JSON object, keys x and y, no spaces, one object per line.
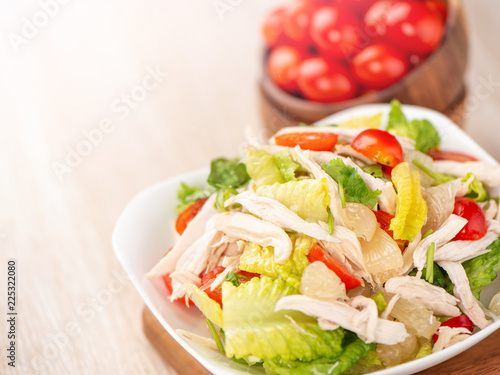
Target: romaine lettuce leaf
{"x":351,"y":183}
{"x":228,"y":173}
{"x":189,"y":194}
{"x":255,"y":332}
{"x":258,"y":259}
{"x":476,"y":191}
{"x":307,"y":198}
{"x":351,"y":354}
{"x":286,"y":165}
{"x":422,"y":132}
{"x":373,"y":122}
{"x":412,"y":209}
{"x":267,"y":169}
{"x":482,"y":270}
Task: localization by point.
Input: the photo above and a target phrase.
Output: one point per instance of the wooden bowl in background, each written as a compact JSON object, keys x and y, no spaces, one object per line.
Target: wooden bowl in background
{"x":437,"y":83}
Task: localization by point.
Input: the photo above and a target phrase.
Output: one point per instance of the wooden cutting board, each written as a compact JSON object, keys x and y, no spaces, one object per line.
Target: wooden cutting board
{"x":482,"y":359}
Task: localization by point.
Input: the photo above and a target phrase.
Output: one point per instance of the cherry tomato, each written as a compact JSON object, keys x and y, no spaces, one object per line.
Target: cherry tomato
{"x":439,"y":7}
{"x":325,"y":82}
{"x":318,"y":254}
{"x":438,"y":154}
{"x":216,"y":294}
{"x":476,"y":226}
{"x":188,"y":214}
{"x":282,"y":66}
{"x":379,"y":66}
{"x":358,"y":6}
{"x":167,"y":280}
{"x":308,"y":141}
{"x":297,"y":20}
{"x":409,"y":25}
{"x":384,"y":219}
{"x":335,"y":31}
{"x":272,"y":29}
{"x":461,"y":321}
{"x":380,"y":146}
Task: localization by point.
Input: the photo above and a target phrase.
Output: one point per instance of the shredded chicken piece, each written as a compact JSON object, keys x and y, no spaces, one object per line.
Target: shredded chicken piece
{"x":365,"y":322}
{"x":447,"y":231}
{"x":449,"y":336}
{"x":193,"y":231}
{"x":487,"y":173}
{"x":274,"y":212}
{"x":468,"y":303}
{"x":433,"y":297}
{"x":408,"y":254}
{"x":490,"y":209}
{"x":347,"y":150}
{"x":231,"y":266}
{"x":388,"y":309}
{"x":252,"y":229}
{"x":460,"y":250}
{"x":204,"y":341}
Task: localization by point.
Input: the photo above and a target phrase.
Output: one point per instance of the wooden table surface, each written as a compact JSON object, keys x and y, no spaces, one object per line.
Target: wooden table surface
{"x":100,"y":99}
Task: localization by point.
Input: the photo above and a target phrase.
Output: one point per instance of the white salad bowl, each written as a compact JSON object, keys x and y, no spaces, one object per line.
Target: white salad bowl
{"x":144,"y":232}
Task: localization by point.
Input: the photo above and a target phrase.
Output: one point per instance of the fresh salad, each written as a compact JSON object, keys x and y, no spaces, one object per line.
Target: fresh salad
{"x":339,"y":249}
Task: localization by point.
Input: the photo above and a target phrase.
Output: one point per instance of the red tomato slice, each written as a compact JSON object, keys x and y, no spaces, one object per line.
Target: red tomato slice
{"x":318,"y":254}
{"x":325,"y":81}
{"x":378,"y":66}
{"x":438,"y":154}
{"x":384,"y":219}
{"x":380,"y":146}
{"x":462,"y":321}
{"x":308,"y":141}
{"x":188,"y":214}
{"x":476,"y":226}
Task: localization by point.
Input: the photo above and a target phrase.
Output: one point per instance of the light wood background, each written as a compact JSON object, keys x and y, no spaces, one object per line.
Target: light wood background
{"x":77,"y":312}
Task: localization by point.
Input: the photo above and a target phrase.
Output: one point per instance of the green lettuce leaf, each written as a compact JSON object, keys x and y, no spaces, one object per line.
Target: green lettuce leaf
{"x":286,"y":165}
{"x":189,"y":194}
{"x":228,"y":173}
{"x":482,"y":270}
{"x":307,"y":198}
{"x":267,"y":169}
{"x":351,"y":183}
{"x":351,"y":354}
{"x":422,"y":132}
{"x":258,"y":259}
{"x":476,"y":191}
{"x":255,"y":332}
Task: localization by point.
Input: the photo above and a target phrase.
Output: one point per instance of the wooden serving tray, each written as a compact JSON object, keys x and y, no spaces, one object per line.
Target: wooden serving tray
{"x":481,"y":359}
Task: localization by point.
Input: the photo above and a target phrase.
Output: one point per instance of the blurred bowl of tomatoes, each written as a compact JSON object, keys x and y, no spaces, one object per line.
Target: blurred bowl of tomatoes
{"x":323,"y":56}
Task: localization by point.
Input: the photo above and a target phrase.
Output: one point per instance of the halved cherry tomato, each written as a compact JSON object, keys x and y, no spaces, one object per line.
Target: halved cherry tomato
{"x":325,"y":81}
{"x":378,"y":66}
{"x":384,"y":219}
{"x":380,"y":146}
{"x":283,"y":67}
{"x":188,"y":214}
{"x":438,"y":154}
{"x":476,"y":226}
{"x":167,"y":280}
{"x":308,"y":141}
{"x":216,"y":294}
{"x":272,"y":29}
{"x":318,"y":254}
{"x":462,"y":321}
{"x":335,"y":31}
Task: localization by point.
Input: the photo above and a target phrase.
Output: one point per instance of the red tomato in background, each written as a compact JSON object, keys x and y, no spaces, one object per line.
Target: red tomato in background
{"x":318,"y":254}
{"x":272,"y":29}
{"x":308,"y":141}
{"x":335,"y":32}
{"x":461,"y":321}
{"x":380,"y":146}
{"x":357,"y":6}
{"x":297,"y":20}
{"x":437,"y":154}
{"x":188,"y":214}
{"x":439,"y":7}
{"x":378,"y":66}
{"x":325,"y":82}
{"x":411,"y":26}
{"x":282,"y":66}
{"x":477,"y":226}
